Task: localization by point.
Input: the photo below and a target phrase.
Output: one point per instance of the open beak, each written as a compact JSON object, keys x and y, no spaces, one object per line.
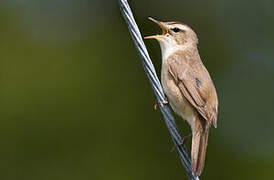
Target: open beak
{"x":162,"y":26}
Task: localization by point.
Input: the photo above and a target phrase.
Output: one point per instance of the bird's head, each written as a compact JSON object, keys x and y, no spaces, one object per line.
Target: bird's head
{"x":174,"y":34}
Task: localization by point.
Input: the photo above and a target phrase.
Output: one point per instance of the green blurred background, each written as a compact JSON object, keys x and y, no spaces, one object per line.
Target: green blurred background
{"x":76,"y":104}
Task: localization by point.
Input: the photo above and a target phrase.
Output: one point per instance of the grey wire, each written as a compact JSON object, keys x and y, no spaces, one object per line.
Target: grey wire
{"x":156,"y":86}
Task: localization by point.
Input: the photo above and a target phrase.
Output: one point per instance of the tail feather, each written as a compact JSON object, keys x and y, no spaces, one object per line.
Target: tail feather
{"x":199,"y":145}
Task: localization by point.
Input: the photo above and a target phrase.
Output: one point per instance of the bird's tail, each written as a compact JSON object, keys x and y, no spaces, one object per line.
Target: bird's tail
{"x":199,"y":144}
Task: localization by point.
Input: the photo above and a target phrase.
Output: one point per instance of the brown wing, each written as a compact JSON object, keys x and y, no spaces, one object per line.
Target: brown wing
{"x":196,"y":86}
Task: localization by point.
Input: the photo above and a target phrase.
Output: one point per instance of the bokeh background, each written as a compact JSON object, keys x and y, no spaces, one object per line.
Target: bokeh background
{"x":76,"y":104}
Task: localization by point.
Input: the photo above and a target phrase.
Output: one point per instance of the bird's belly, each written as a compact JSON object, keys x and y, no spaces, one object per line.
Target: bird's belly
{"x":178,"y":102}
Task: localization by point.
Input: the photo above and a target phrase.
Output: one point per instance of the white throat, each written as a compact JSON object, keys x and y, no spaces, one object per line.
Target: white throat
{"x":169,"y":49}
{"x":170,"y":46}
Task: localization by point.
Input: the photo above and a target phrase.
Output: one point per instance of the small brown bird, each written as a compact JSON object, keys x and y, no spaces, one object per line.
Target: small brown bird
{"x":187,"y":85}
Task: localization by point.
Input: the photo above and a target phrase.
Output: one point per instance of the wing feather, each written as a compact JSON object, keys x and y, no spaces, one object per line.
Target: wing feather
{"x":203,"y":96}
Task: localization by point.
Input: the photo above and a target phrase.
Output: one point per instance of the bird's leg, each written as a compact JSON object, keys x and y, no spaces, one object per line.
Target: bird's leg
{"x":183,"y":141}
{"x":185,"y":138}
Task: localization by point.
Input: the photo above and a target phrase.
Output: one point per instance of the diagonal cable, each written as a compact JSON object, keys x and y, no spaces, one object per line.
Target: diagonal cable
{"x":156,"y":86}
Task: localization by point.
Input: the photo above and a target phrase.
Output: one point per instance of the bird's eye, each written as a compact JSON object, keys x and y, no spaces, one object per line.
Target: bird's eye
{"x":175,"y":29}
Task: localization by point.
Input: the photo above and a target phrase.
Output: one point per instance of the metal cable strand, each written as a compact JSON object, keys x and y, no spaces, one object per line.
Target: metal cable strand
{"x":156,"y":86}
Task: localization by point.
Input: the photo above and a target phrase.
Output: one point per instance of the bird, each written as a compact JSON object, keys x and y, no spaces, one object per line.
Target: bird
{"x":187,"y":85}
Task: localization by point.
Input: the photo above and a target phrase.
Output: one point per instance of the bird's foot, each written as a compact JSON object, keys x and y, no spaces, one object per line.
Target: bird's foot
{"x":161,"y":103}
{"x":164,"y":102}
{"x":183,"y":141}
